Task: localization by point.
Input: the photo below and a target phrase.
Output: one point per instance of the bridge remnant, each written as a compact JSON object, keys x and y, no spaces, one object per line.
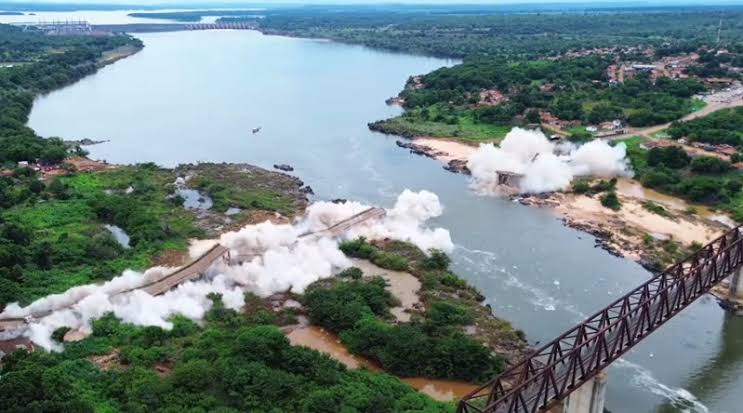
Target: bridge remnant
{"x":510,"y":179}
{"x":736,"y":285}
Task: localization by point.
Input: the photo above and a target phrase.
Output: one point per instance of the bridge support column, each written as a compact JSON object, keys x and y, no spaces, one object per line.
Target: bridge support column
{"x":589,"y":398}
{"x":736,"y":284}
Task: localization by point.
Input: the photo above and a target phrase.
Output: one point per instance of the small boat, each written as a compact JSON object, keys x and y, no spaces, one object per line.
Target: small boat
{"x":256,"y":130}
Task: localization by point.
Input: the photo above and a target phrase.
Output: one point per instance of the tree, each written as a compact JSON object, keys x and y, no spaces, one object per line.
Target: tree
{"x":532,"y":116}
{"x":674,"y":157}
{"x":710,"y":165}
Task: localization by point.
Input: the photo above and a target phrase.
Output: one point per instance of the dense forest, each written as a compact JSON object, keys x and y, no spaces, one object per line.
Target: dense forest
{"x":453,"y":34}
{"x":38,"y":247}
{"x":242,"y":361}
{"x":44,"y":63}
{"x":725,"y":126}
{"x":578,"y":90}
{"x":705,"y":179}
{"x":525,"y":57}
{"x":237,"y":362}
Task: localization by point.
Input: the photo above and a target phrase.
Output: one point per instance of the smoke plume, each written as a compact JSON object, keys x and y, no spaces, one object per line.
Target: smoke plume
{"x":543,"y":165}
{"x":267,"y":258}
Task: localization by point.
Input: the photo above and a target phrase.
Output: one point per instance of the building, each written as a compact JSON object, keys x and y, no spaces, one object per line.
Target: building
{"x":643,"y":68}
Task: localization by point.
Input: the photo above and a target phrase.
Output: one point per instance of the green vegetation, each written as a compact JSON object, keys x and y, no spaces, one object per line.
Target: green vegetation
{"x":583,"y":186}
{"x":51,"y":237}
{"x":449,"y":102}
{"x":246,"y":187}
{"x":611,"y":201}
{"x":51,"y":62}
{"x":233,"y":364}
{"x":706,"y":180}
{"x":418,"y":123}
{"x":665,"y":252}
{"x":526,"y":59}
{"x":360,"y":248}
{"x":193,"y":15}
{"x":482,"y":30}
{"x":723,"y":126}
{"x":656,"y":209}
{"x":433,"y":343}
{"x":56,"y":239}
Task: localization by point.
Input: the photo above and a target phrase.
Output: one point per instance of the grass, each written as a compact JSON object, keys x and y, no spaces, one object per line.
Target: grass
{"x":578,"y":130}
{"x":465,"y":129}
{"x":635,"y":153}
{"x":70,"y":244}
{"x":697,"y":104}
{"x":656,"y":209}
{"x":247,"y":189}
{"x":68,"y":229}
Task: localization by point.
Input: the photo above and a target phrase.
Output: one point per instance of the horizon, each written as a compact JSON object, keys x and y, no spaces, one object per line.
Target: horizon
{"x":243,"y":3}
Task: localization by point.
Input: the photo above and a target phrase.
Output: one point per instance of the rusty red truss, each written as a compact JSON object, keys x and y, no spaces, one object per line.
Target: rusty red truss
{"x":552,"y":372}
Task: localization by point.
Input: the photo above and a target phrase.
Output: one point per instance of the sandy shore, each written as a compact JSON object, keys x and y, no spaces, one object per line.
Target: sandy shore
{"x":446,"y":150}
{"x":625,"y":230}
{"x":633,"y":232}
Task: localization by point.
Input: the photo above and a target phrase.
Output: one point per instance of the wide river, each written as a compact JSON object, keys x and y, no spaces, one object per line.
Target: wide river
{"x":195,"y":96}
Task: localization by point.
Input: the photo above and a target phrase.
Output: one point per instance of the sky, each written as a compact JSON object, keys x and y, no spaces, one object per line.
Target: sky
{"x":247,"y":2}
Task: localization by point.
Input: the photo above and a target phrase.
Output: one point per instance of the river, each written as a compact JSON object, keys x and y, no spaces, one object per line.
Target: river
{"x":195,"y":96}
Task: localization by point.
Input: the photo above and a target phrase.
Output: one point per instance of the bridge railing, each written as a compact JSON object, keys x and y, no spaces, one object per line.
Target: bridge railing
{"x":555,"y":370}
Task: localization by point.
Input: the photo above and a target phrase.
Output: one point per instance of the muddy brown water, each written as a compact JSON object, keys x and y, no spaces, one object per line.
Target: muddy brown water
{"x":321,"y":340}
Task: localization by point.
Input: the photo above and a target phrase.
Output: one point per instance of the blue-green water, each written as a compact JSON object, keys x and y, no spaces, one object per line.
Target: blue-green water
{"x":195,"y":96}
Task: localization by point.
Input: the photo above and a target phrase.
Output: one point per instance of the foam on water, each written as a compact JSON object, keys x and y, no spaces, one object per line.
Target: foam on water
{"x":679,"y":398}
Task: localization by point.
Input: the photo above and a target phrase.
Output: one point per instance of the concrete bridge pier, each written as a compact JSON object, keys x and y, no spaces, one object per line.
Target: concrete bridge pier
{"x":736,"y":284}
{"x":589,"y":398}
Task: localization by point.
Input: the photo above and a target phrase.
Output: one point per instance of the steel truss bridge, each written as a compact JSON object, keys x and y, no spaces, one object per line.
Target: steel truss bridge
{"x":551,"y":373}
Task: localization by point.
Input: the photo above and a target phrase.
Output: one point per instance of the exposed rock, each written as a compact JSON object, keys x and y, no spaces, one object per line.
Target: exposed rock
{"x":84,"y":142}
{"x":339,"y":201}
{"x":307,"y":190}
{"x":283,"y":167}
{"x":458,"y":166}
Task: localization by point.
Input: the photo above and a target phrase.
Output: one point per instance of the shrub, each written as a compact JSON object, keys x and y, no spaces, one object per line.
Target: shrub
{"x":357,"y":248}
{"x":656,"y":209}
{"x":581,"y":186}
{"x":390,"y":261}
{"x":443,"y":314}
{"x":611,"y":201}
{"x":437,"y":260}
{"x":351,"y":272}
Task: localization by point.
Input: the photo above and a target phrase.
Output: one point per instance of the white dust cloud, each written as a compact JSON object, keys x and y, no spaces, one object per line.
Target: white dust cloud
{"x":266,"y":258}
{"x":543,"y":165}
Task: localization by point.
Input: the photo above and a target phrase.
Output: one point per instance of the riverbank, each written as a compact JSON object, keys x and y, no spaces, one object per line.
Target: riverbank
{"x":84,"y":204}
{"x":651,"y":228}
{"x":112,"y":56}
{"x":427,"y":300}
